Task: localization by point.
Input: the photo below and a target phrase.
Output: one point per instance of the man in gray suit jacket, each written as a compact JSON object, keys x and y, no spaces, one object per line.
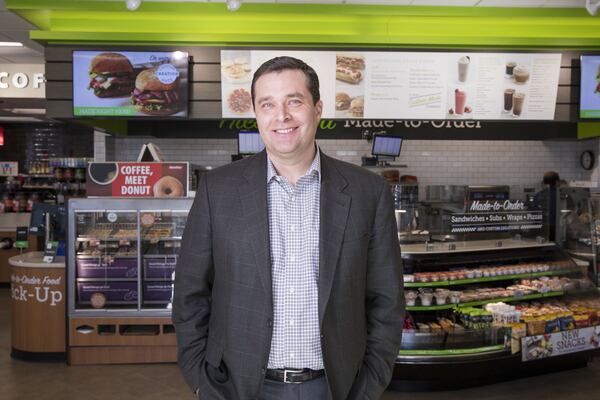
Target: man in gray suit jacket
{"x":289,"y":281}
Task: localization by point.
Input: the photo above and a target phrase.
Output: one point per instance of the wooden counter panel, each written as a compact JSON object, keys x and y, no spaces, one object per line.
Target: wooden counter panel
{"x":122,"y":355}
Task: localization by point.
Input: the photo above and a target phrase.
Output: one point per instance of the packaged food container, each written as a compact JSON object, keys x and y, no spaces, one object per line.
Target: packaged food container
{"x":410,"y":297}
{"x":426,"y":298}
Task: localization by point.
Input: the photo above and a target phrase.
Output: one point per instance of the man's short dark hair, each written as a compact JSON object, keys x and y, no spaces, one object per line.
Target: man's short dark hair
{"x":551,"y":178}
{"x":279,"y":64}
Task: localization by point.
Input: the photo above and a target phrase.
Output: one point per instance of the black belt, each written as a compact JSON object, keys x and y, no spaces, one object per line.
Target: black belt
{"x":294,"y":375}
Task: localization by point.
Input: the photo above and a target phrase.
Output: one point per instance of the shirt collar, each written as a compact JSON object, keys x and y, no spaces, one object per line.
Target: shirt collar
{"x":314,"y":169}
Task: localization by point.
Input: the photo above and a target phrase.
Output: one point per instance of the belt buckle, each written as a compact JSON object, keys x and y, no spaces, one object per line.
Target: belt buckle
{"x":285,"y":377}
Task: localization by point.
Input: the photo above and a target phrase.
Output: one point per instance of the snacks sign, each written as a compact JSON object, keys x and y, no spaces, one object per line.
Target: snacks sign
{"x":556,"y":344}
{"x":405,"y":85}
{"x":128,"y":83}
{"x":137,"y":179}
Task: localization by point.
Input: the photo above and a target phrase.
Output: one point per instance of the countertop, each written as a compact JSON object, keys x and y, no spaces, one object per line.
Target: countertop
{"x":33,"y":259}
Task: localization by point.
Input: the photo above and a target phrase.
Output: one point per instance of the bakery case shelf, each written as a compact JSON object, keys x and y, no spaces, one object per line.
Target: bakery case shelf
{"x":487,"y":301}
{"x":121,"y":270}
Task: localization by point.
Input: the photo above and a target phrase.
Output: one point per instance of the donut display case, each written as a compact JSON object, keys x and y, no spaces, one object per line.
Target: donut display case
{"x":122,"y":258}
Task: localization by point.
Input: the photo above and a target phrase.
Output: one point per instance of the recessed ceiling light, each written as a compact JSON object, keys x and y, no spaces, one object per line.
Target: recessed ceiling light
{"x":11,"y":44}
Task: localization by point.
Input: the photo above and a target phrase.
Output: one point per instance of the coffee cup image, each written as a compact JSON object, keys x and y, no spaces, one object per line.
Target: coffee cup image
{"x":508,"y":99}
{"x":168,"y":186}
{"x":103,"y":173}
{"x":518,"y":102}
{"x":521,"y":75}
{"x":463,"y":68}
{"x":510,"y":66}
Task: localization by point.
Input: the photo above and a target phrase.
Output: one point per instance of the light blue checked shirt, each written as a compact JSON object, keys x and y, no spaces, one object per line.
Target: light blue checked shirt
{"x":294,"y":235}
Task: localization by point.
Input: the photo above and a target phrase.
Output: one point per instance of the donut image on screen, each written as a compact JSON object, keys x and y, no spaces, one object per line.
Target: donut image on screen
{"x":168,"y":186}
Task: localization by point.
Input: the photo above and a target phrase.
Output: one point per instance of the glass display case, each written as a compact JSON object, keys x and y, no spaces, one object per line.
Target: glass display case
{"x":123,"y":255}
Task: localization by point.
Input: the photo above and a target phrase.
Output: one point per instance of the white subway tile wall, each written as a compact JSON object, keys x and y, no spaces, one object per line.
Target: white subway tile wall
{"x":434,"y":162}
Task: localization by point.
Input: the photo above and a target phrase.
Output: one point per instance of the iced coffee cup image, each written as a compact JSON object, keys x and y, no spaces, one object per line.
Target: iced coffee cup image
{"x":463,"y":68}
{"x":518,"y":102}
{"x":510,"y":66}
{"x":508,"y":99}
{"x":521,"y":74}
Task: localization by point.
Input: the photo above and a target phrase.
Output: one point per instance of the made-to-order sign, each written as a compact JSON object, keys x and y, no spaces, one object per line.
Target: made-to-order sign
{"x":395,"y":85}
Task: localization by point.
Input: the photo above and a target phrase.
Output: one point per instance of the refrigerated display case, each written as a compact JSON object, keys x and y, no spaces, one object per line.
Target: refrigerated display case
{"x":122,"y":255}
{"x":466,"y":257}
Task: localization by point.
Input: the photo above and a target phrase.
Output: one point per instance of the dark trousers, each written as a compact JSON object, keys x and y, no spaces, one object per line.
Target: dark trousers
{"x":311,"y":390}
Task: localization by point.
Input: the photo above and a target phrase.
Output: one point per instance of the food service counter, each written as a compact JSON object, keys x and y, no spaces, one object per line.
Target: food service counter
{"x":37,"y":307}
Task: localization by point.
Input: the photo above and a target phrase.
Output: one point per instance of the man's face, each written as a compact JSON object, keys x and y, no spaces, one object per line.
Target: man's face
{"x":286,"y":116}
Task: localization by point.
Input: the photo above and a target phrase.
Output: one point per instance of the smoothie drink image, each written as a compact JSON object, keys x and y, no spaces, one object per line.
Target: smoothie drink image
{"x":460,"y":100}
{"x":508,"y":99}
{"x":510,"y":66}
{"x":518,"y":100}
{"x":463,"y":68}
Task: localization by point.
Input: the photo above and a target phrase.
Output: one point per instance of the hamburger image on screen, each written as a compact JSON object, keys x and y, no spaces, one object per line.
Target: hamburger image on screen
{"x":153,"y":97}
{"x":111,"y":75}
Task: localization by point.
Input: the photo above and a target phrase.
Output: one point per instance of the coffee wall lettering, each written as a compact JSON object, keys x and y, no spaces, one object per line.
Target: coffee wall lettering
{"x":22,"y":81}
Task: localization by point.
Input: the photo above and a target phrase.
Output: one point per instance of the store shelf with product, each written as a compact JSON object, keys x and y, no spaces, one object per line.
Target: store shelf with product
{"x":458,"y":292}
{"x":120,"y":273}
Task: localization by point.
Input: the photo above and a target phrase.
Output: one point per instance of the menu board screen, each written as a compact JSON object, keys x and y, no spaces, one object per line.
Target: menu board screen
{"x":406,"y":85}
{"x":589,"y":103}
{"x":130,"y":84}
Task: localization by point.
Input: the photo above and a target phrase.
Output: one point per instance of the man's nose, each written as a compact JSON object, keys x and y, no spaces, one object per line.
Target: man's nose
{"x":283,"y":113}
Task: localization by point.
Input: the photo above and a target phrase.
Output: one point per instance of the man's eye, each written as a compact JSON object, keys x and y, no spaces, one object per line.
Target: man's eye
{"x":295,"y":102}
{"x":266,"y":105}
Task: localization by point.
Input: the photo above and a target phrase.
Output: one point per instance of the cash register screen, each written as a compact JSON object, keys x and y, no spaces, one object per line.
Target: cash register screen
{"x":250,"y":143}
{"x":387,"y":146}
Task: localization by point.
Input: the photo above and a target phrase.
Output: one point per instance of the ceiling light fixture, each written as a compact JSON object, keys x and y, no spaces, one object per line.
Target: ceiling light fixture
{"x":133,"y":5}
{"x":592,"y":6}
{"x":11,"y":44}
{"x":234,"y":5}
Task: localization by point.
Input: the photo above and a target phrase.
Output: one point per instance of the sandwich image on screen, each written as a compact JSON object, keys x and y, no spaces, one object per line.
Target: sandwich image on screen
{"x":155,"y":97}
{"x":111,"y":75}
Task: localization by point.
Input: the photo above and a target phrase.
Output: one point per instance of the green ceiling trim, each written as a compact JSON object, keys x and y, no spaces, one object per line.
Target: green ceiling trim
{"x":587,"y":130}
{"x":194,"y":23}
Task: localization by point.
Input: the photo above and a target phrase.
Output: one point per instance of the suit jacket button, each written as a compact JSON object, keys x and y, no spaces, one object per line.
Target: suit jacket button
{"x":270,"y":323}
{"x":263,"y":371}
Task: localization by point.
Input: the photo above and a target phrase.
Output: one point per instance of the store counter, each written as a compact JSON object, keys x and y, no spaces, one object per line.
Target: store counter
{"x":37,"y":307}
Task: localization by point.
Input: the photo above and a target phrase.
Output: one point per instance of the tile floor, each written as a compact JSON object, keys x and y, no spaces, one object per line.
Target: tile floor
{"x":56,"y":381}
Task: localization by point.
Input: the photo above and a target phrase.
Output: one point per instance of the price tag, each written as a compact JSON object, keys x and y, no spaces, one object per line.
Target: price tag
{"x":21,"y":241}
{"x":50,"y":252}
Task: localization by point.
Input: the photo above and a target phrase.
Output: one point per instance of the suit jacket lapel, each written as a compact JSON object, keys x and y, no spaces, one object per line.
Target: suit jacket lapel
{"x":253,"y":195}
{"x":335,"y":206}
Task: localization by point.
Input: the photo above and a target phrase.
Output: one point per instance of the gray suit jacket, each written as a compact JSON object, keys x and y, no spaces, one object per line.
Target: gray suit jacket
{"x":223,"y":309}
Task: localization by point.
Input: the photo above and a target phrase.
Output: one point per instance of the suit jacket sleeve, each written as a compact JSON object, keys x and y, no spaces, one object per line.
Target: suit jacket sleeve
{"x":194,"y":276}
{"x":384,"y":303}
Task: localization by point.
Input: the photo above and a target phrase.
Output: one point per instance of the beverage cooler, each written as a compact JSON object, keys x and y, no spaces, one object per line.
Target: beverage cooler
{"x":121,"y":260}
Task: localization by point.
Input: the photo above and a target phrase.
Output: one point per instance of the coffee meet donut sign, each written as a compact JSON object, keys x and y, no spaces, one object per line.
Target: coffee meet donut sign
{"x":137,"y":179}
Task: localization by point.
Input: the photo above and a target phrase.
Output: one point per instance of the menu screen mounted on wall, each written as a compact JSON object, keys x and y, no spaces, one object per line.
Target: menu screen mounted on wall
{"x":250,"y":143}
{"x":589,"y":102}
{"x":130,"y":84}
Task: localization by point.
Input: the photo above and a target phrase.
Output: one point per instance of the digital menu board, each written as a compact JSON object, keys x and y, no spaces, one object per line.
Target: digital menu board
{"x":130,"y":84}
{"x":589,"y":100}
{"x":410,"y":85}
